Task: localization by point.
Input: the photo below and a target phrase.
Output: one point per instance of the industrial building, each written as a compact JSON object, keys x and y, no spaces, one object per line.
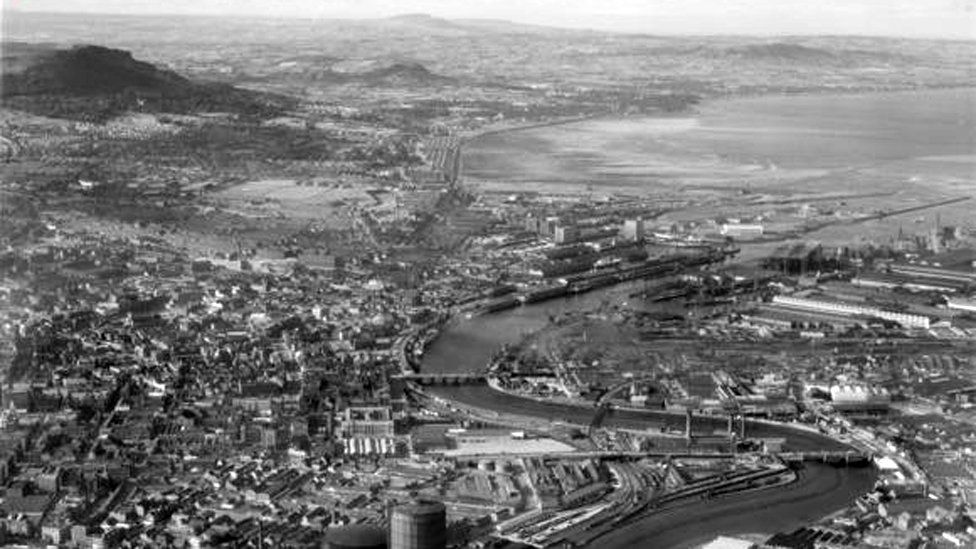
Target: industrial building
{"x":419,"y":525}
{"x":368,"y":430}
{"x":742,"y":230}
{"x":848,"y":310}
{"x":966,"y":305}
{"x":859,"y":398}
{"x":367,"y":421}
{"x":933,"y":272}
{"x":885,"y":281}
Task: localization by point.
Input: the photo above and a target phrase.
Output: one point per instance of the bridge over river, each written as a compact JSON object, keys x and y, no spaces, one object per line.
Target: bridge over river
{"x":445,"y":379}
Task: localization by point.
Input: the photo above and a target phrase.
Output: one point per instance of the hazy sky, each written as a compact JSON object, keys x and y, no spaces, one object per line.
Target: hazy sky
{"x":916,"y":18}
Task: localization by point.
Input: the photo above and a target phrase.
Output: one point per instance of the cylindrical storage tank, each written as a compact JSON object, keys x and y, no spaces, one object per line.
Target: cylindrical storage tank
{"x":355,"y":537}
{"x":419,"y":525}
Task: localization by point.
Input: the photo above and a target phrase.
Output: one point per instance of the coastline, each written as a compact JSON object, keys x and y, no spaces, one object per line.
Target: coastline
{"x":708,"y":101}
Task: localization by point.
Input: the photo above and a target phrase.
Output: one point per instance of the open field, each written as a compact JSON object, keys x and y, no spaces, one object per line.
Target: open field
{"x":325,"y":205}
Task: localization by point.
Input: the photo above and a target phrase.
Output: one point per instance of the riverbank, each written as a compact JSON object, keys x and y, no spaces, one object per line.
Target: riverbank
{"x":467,"y":345}
{"x":818,"y":488}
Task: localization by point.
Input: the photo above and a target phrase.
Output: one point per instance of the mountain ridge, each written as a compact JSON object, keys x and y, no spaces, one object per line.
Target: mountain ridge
{"x":97,"y":83}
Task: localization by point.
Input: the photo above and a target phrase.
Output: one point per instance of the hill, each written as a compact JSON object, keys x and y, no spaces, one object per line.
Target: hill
{"x":369,"y":73}
{"x":782,"y":51}
{"x":96,"y":83}
{"x":403,"y":73}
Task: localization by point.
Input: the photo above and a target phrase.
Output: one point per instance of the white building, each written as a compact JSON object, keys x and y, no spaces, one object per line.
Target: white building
{"x":633,"y":230}
{"x":742,"y":230}
{"x":847,"y":309}
{"x":967,"y":305}
{"x":858,"y":397}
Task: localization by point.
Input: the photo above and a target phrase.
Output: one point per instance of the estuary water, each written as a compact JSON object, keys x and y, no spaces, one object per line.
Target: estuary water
{"x":924,"y":134}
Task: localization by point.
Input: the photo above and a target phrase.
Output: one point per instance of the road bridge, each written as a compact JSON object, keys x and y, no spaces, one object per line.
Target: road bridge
{"x":850,"y":457}
{"x":445,"y":379}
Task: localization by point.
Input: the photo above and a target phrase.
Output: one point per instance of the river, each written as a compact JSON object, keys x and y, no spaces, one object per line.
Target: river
{"x":466,"y":345}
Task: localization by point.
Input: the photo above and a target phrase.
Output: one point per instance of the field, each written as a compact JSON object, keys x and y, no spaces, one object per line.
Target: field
{"x":324,"y":205}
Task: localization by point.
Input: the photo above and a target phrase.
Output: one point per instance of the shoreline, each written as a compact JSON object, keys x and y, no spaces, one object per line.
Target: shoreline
{"x":799,"y":427}
{"x":696,"y":110}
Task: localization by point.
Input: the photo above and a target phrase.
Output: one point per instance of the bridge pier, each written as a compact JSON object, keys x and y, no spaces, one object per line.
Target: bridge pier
{"x":443,"y":379}
{"x":733,"y":429}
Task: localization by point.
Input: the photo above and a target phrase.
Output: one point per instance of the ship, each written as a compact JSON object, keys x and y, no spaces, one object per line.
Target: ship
{"x":501,"y":304}
{"x":548,"y":292}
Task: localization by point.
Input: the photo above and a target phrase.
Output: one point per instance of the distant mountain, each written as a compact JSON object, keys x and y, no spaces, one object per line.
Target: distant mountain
{"x":404,"y":73}
{"x":422,"y":20}
{"x":94,"y":82}
{"x":802,"y":54}
{"x":781,"y":51}
{"x":407,"y":74}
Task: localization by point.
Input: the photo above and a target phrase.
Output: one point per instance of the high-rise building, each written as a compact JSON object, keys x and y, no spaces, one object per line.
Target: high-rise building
{"x":418,"y":525}
{"x":633,"y":230}
{"x":566,"y":234}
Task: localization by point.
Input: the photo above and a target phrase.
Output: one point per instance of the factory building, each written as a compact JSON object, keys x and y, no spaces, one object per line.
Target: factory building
{"x":937,"y":273}
{"x":965,"y":305}
{"x":884,"y":281}
{"x":368,"y":430}
{"x":742,"y":230}
{"x":418,"y":525}
{"x":847,"y":310}
{"x":859,"y":398}
{"x":367,"y":421}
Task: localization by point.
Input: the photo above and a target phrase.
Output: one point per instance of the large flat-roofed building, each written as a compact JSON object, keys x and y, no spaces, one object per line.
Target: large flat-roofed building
{"x":367,"y":421}
{"x":742,"y":230}
{"x":929,"y":271}
{"x":966,"y":305}
{"x":886,"y":281}
{"x":848,"y":309}
{"x":859,"y":398}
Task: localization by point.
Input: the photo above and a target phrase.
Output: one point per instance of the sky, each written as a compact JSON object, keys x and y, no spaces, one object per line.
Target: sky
{"x":950,"y":19}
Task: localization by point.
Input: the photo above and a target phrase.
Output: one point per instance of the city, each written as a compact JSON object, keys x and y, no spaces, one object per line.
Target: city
{"x":234,"y":314}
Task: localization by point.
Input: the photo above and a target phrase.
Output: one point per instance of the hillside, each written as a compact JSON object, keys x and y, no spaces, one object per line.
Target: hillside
{"x":364,"y":73}
{"x":96,"y":83}
{"x":782,"y":51}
